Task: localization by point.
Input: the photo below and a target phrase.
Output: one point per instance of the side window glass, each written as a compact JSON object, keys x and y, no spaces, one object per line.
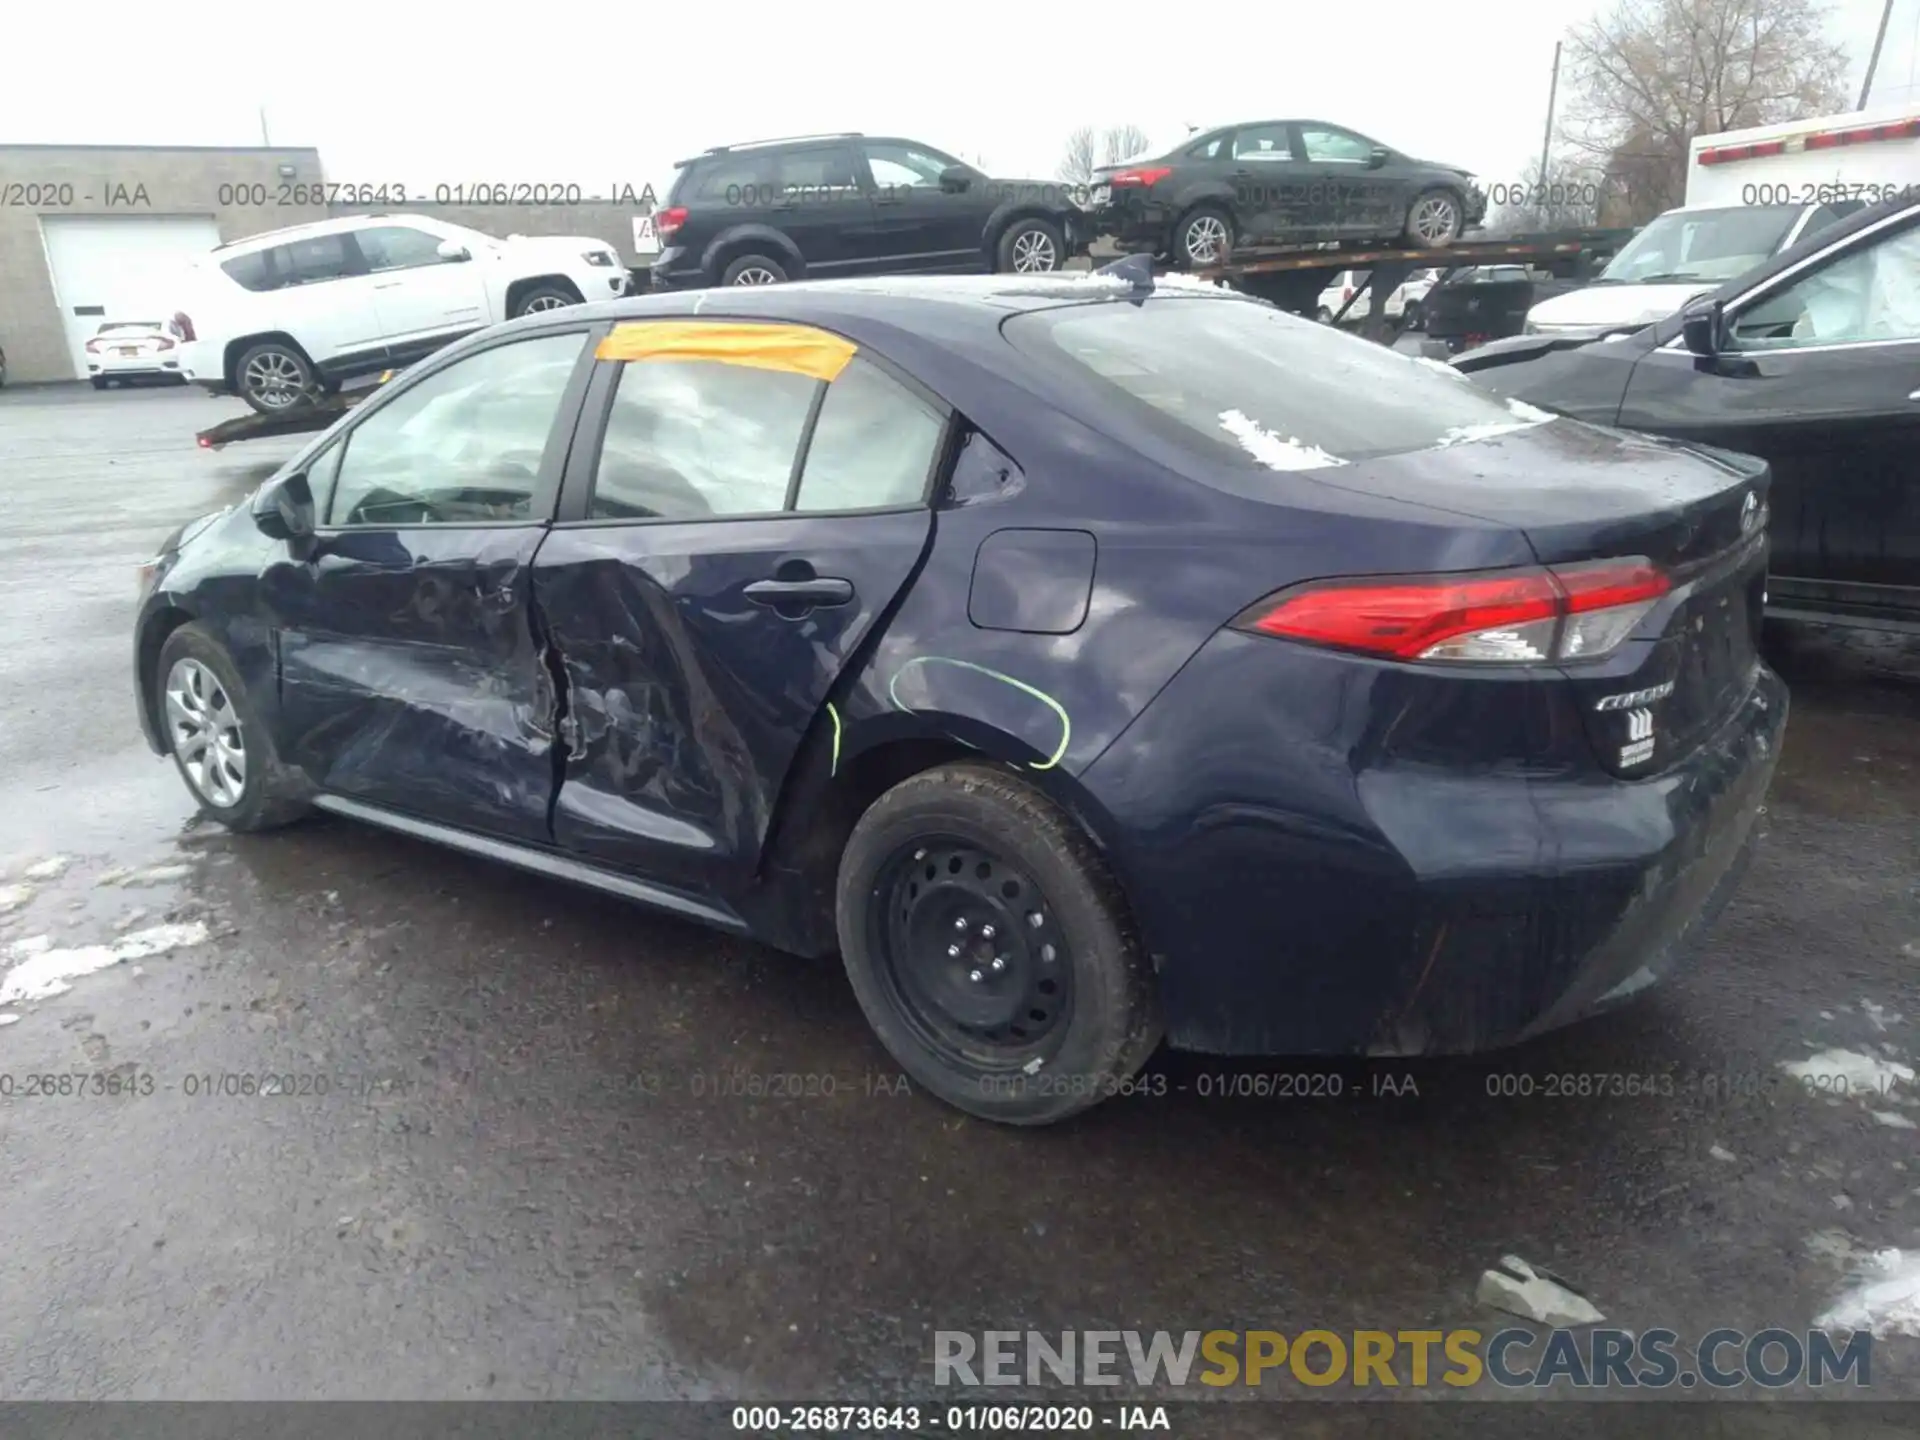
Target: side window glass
{"x":1338,"y":147}
{"x":700,"y":439}
{"x":1210,"y":150}
{"x":1872,"y":293}
{"x":312,"y":259}
{"x":322,"y":471}
{"x":732,"y":181}
{"x":463,"y":446}
{"x":815,"y":170}
{"x":251,"y":272}
{"x":397,"y":247}
{"x":873,"y":445}
{"x":903,"y":167}
{"x":1262,"y":142}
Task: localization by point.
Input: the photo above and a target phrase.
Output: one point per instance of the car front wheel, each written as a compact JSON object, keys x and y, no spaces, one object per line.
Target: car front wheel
{"x":990,"y":948}
{"x":1435,"y":218}
{"x":274,"y":376}
{"x":754,"y":270}
{"x":1032,"y":247}
{"x":217,"y":740}
{"x":543,"y":297}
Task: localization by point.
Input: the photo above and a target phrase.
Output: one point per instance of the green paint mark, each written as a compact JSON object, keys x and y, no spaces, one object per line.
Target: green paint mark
{"x":834,"y":715}
{"x":1066,"y":724}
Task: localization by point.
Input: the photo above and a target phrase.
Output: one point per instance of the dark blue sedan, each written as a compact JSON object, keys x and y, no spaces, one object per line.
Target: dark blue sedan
{"x":1086,"y":660}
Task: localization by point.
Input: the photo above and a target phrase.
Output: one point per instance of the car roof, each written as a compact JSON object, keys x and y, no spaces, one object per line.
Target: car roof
{"x":334,"y":225}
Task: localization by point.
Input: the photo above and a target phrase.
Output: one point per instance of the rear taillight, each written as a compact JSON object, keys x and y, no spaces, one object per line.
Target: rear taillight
{"x":668,"y":221}
{"x":1522,"y":617}
{"x":164,"y":344}
{"x":186,"y":325}
{"x":93,"y":347}
{"x":1140,"y":175}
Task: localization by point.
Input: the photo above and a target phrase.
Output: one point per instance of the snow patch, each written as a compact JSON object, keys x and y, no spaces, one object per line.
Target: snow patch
{"x":1885,"y":1302}
{"x":9,"y":1020}
{"x":1860,"y":1073}
{"x":12,"y":897}
{"x":1893,"y":1120}
{"x":51,"y":868}
{"x":43,"y":972}
{"x":1276,"y":452}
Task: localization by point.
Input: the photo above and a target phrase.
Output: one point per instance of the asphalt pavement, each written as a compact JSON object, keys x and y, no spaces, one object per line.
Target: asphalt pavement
{"x":527,"y":1141}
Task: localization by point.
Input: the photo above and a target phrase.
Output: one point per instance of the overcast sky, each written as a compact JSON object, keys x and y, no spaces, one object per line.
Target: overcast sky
{"x":612,"y":95}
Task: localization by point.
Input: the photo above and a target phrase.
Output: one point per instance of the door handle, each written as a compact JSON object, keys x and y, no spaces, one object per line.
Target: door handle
{"x":784,"y":594}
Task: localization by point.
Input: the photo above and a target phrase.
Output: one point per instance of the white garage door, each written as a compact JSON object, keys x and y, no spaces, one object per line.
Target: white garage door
{"x":120,"y":267}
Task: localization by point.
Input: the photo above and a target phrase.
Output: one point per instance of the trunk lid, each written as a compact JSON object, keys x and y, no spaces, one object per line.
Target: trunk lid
{"x":1581,"y":493}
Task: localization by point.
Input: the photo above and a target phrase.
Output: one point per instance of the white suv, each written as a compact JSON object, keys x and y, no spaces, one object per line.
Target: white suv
{"x":282,"y":316}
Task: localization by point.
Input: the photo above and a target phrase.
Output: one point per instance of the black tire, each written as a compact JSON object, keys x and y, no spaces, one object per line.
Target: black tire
{"x":752,"y":266}
{"x":1000,"y":848}
{"x":543,"y":297}
{"x":1412,"y":234}
{"x":99,"y":382}
{"x":270,"y":795}
{"x":1033,"y":239}
{"x":273,"y":377}
{"x":1411,"y":318}
{"x":1324,"y":316}
{"x":1210,"y":222}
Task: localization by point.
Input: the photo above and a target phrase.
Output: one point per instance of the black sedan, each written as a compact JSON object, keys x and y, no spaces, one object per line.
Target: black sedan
{"x":1084,"y":659}
{"x":1280,"y":182}
{"x":1812,"y":362}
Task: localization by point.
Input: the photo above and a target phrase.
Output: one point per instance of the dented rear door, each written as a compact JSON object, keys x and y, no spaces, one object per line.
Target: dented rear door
{"x":411,"y":675}
{"x":744,"y":506}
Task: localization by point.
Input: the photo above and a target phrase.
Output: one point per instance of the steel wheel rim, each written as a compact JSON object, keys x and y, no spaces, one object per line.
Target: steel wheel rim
{"x":1033,"y":251}
{"x":1433,"y":218}
{"x":944,"y":911}
{"x":756,"y":275}
{"x":206,"y":734}
{"x":1206,"y":238}
{"x":275,"y":379}
{"x":547,"y":302}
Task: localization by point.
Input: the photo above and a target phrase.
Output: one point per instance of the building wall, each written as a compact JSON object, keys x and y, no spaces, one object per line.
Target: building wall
{"x":37,"y":180}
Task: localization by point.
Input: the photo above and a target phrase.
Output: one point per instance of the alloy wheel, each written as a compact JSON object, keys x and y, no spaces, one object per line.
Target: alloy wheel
{"x":756,"y":275}
{"x":275,"y":379}
{"x":973,"y":953}
{"x":547,"y":301}
{"x":1033,"y":252}
{"x":206,"y":733}
{"x":1435,"y":218}
{"x":1206,"y":239}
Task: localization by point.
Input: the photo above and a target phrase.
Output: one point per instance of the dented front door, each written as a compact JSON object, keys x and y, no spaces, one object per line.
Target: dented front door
{"x":411,"y":673}
{"x":743,"y":506}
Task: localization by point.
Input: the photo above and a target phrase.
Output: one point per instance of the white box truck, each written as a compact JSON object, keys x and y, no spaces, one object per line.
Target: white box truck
{"x":1750,"y":194}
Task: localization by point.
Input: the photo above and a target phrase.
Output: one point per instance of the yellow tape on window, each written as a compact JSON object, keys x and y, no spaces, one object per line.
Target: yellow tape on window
{"x":795,"y":349}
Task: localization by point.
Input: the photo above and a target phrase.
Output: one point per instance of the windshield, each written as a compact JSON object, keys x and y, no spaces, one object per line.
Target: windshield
{"x":1232,"y":380}
{"x":1687,"y":245}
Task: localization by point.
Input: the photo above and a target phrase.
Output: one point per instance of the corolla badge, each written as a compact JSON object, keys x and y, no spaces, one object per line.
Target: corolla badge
{"x":1749,"y":513}
{"x":1634,"y":699}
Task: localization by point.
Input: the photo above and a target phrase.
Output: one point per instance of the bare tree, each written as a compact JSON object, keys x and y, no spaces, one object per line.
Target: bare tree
{"x":1568,"y":197}
{"x":1649,"y":75}
{"x":1088,"y":149}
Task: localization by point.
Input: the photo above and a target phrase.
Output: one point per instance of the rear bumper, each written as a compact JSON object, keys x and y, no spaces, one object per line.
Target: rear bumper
{"x":1134,"y":223}
{"x":1309,"y":891}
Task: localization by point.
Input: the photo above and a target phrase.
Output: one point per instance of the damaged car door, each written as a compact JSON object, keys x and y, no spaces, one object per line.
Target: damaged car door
{"x":743,"y":503}
{"x":410,"y":676}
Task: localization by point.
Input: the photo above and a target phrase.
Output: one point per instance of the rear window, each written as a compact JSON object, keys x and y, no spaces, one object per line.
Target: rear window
{"x":1236,"y":380}
{"x":250,"y":271}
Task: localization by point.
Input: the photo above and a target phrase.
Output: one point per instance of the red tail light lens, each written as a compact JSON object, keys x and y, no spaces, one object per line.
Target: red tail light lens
{"x":165,"y":343}
{"x":668,"y":221}
{"x":186,"y":325}
{"x":1140,"y":175}
{"x":1573,"y":612}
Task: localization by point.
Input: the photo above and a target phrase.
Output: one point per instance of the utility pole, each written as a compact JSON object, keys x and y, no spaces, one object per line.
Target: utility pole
{"x":1546,"y":142}
{"x":1873,"y":60}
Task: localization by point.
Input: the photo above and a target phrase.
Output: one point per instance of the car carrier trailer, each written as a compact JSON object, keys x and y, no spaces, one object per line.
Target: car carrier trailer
{"x":1293,"y":277}
{"x":313,"y":413}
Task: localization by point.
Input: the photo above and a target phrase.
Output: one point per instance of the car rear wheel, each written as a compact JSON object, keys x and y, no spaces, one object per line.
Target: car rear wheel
{"x":221,"y":748}
{"x":1204,"y":237}
{"x":1410,"y":317}
{"x":543,"y":297}
{"x":989,"y":947}
{"x":754,"y":270}
{"x":99,"y":382}
{"x":1032,"y":247}
{"x":1435,"y":218}
{"x":274,"y":376}
{"x":1324,"y":316}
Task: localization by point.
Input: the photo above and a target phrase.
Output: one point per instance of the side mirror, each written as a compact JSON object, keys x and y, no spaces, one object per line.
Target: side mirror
{"x":1377,"y":157}
{"x":954,"y":179}
{"x":453,"y":250}
{"x":284,"y":511}
{"x":1703,"y":328}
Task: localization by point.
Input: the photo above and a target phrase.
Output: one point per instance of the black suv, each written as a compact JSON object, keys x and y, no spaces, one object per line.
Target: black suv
{"x":819,"y":206}
{"x":1280,"y":182}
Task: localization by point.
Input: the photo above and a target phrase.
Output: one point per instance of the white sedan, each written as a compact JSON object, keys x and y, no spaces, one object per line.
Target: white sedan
{"x":1406,"y":297}
{"x":134,"y":349}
